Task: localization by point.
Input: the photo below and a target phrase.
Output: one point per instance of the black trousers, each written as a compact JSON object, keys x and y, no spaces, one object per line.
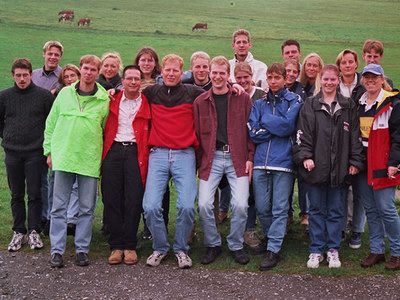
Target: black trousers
{"x":24,"y":169}
{"x":122,"y":191}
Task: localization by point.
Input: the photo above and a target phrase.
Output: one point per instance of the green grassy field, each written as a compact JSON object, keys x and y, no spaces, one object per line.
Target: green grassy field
{"x":125,"y":26}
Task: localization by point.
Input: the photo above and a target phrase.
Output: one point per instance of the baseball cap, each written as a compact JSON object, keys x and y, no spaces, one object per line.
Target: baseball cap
{"x":374,"y":69}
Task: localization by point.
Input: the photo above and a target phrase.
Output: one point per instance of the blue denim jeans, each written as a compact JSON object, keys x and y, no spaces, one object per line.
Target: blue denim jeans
{"x":181,"y":166}
{"x":303,"y":196}
{"x":381,"y":214}
{"x":327,"y":216}
{"x":87,"y":188}
{"x":222,"y":164}
{"x":355,"y":210}
{"x":272,"y":190}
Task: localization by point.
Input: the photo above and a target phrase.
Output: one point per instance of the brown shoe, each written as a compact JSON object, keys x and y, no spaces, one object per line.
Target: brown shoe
{"x":393,"y":263}
{"x":130,"y":257}
{"x":222,"y":216}
{"x":372,"y":259}
{"x":116,"y":257}
{"x":304,"y":220}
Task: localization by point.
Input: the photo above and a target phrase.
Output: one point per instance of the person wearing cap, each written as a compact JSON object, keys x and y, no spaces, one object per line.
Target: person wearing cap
{"x":379,"y":113}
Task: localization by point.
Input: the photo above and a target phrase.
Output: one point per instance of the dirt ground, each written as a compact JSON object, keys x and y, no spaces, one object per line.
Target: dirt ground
{"x":29,"y":276}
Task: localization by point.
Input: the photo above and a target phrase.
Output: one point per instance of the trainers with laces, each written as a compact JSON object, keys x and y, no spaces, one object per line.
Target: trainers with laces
{"x":333,"y":258}
{"x":34,"y":240}
{"x":355,"y":241}
{"x":155,"y":259}
{"x":17,"y":241}
{"x":251,"y":239}
{"x":184,"y":261}
{"x":314,"y":259}
{"x":82,"y":259}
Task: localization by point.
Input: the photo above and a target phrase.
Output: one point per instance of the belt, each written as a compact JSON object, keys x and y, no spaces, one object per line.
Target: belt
{"x":125,"y":143}
{"x":224,"y":148}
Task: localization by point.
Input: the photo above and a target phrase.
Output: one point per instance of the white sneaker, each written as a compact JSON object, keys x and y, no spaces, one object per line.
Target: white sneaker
{"x":34,"y":240}
{"x":17,"y":241}
{"x":155,"y":258}
{"x":333,"y":259}
{"x":184,"y":261}
{"x":314,"y":260}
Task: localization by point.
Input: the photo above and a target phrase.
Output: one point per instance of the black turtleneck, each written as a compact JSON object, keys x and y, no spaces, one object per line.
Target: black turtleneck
{"x":23,"y":114}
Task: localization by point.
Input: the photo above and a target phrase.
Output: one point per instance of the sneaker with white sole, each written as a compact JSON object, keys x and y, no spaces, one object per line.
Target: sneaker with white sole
{"x":17,"y":241}
{"x":314,"y":259}
{"x":333,"y":258}
{"x":184,"y":261}
{"x":355,"y":241}
{"x":34,"y":240}
{"x":155,"y":259}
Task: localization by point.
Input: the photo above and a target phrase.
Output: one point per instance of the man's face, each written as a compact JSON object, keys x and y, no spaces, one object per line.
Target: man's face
{"x":244,"y":79}
{"x":241,"y":45}
{"x":89,"y":73}
{"x":22,"y":78}
{"x":200,"y":69}
{"x":275,"y":82}
{"x":291,"y":51}
{"x":52,"y":58}
{"x":372,"y":57}
{"x":171,"y":73}
{"x":131,"y":81}
{"x":219,"y":76}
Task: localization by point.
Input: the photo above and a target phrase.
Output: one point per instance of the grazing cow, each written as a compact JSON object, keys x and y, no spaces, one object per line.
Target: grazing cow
{"x":83,"y":22}
{"x":66,"y":17}
{"x":198,"y":26}
{"x":66,"y":11}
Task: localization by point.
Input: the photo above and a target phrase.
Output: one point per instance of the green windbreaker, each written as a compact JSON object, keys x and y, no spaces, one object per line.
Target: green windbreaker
{"x":74,"y":131}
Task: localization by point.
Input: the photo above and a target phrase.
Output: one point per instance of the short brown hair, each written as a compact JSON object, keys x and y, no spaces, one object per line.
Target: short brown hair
{"x":340,"y":56}
{"x":221,"y":61}
{"x":290,"y":43}
{"x":174,"y":58}
{"x":241,"y":32}
{"x":50,"y":44}
{"x":277,"y":68}
{"x":373,"y":44}
{"x":90,"y":59}
{"x":243,"y":66}
{"x":70,"y":67}
{"x":21,"y":63}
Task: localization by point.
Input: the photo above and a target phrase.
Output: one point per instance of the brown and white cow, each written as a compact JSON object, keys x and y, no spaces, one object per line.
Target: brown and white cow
{"x":83,"y":22}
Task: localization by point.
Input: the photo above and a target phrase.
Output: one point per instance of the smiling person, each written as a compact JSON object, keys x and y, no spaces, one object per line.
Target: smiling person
{"x":172,"y":154}
{"x":124,"y":168}
{"x":328,"y":150}
{"x":23,"y":111}
{"x":220,"y":119}
{"x":148,"y":62}
{"x":271,"y":124}
{"x":199,"y":71}
{"x":111,"y":65}
{"x":73,"y":145}
{"x":379,"y":112}
{"x":310,"y":74}
{"x":291,"y":50}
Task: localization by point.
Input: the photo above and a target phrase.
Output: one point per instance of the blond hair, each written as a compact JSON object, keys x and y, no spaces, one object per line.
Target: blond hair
{"x":303,"y":77}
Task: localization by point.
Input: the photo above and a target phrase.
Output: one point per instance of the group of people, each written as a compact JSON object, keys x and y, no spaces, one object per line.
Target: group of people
{"x":245,"y":128}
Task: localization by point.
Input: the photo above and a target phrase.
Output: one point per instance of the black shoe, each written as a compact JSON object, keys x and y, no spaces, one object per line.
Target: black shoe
{"x":211,"y":254}
{"x":270,"y":260}
{"x":71,"y":228}
{"x":146,"y":236}
{"x":240,"y":257}
{"x":46,"y":228}
{"x":82,"y":259}
{"x":56,"y":260}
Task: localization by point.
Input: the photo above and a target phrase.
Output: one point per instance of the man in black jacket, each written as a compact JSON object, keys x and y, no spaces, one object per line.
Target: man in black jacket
{"x":23,"y":111}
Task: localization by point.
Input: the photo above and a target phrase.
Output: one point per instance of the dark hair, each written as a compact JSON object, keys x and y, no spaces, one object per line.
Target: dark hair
{"x":130,"y":67}
{"x":290,"y":43}
{"x":277,"y":68}
{"x":21,"y":63}
{"x":152,"y":52}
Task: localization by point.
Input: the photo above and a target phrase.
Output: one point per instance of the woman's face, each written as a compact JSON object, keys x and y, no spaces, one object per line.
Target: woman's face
{"x":147,"y":64}
{"x":244,"y":79}
{"x":292,"y":72}
{"x":372,"y":83}
{"x":329,"y":82}
{"x":312,"y":68}
{"x":110,"y":67}
{"x":70,"y":76}
{"x":348,"y":65}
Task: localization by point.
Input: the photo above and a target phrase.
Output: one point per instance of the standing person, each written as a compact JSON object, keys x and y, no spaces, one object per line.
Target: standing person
{"x":199,"y":71}
{"x":350,"y":86}
{"x":310,"y":74}
{"x":47,"y":78}
{"x":291,"y":50}
{"x":124,"y":168}
{"x":379,"y":113}
{"x":292,"y":68}
{"x":272,"y":124}
{"x":73,"y":145}
{"x":23,"y":111}
{"x":328,"y":151}
{"x":241,"y":43}
{"x":173,"y":140}
{"x":111,"y":65}
{"x":225,"y":148}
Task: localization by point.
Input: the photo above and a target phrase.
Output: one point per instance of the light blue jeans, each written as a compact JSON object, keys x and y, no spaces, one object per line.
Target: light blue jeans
{"x":87,"y":188}
{"x":181,"y":166}
{"x":222,"y":164}
{"x":272,"y":190}
{"x":381,"y":214}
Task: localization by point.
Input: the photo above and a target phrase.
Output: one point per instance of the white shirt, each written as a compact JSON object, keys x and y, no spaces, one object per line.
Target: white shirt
{"x":128,"y":109}
{"x":347,"y":89}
